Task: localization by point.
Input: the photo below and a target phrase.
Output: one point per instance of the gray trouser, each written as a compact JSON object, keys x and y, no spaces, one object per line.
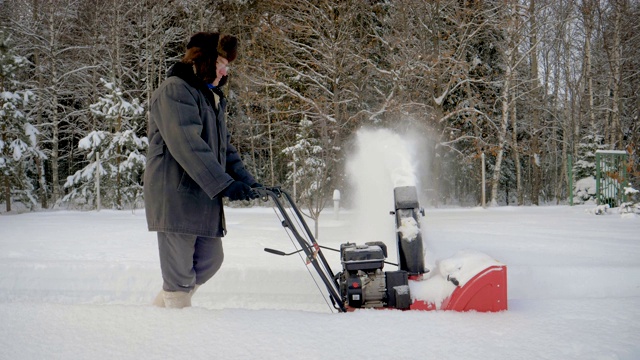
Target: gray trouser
{"x":187,"y":260}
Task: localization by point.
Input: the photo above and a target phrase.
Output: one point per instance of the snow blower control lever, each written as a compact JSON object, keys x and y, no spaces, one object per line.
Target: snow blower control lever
{"x":282,"y":253}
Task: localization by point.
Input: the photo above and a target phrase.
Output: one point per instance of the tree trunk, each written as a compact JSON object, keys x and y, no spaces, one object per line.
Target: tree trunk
{"x":616,"y":128}
{"x":7,"y":192}
{"x":587,"y":13}
{"x":561,"y":112}
{"x":502,"y":136}
{"x":6,"y":182}
{"x":55,"y":123}
{"x":535,"y":113}
{"x":42,"y":180}
{"x":270,"y":135}
{"x":516,"y":154}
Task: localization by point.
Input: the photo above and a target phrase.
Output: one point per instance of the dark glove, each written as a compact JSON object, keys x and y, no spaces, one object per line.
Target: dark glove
{"x":239,"y":191}
{"x":256,"y":185}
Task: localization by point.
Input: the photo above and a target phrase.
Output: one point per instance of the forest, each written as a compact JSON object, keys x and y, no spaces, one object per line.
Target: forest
{"x":533,"y":87}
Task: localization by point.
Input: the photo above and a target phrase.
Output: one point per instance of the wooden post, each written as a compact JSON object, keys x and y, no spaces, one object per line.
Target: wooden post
{"x":570,"y":171}
{"x":98,"y":205}
{"x":484,"y":195}
{"x":336,"y":204}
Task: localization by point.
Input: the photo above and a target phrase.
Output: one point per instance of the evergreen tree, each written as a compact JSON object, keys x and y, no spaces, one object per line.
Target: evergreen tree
{"x":117,"y":156}
{"x":308,"y":170}
{"x":18,"y":147}
{"x":584,"y":169}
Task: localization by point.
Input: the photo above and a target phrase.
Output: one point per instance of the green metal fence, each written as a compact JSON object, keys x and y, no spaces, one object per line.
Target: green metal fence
{"x":611,"y":177}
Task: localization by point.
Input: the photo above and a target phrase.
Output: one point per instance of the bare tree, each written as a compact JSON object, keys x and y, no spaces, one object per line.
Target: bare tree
{"x":521,"y":81}
{"x":536,"y":97}
{"x":611,"y":22}
{"x":312,"y":68}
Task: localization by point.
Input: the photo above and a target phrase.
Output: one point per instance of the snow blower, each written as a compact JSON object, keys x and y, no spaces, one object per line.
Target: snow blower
{"x":467,"y":281}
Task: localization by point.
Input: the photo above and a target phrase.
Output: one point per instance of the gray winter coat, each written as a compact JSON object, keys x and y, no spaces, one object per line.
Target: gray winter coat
{"x":190,"y":160}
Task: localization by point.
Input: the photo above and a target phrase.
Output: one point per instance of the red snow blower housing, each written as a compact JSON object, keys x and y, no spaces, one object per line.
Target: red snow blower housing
{"x":462,"y":285}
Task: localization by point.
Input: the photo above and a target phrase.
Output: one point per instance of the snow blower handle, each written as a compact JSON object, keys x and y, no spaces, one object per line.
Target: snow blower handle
{"x":265,"y":191}
{"x":299,"y":229}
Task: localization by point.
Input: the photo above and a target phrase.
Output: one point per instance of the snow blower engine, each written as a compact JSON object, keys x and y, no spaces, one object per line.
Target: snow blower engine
{"x":364,"y":284}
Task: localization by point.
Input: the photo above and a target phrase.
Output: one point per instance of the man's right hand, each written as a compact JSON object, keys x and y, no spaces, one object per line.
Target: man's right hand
{"x":239,"y":191}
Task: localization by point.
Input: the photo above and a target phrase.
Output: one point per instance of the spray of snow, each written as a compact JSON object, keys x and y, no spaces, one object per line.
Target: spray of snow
{"x":382,"y":160}
{"x":384,"y":155}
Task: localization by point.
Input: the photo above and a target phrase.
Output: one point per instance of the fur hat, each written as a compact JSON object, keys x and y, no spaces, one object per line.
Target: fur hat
{"x":203,"y":50}
{"x":210,"y":44}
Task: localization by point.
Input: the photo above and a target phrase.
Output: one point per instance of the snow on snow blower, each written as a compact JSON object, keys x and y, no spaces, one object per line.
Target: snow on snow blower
{"x":467,"y":281}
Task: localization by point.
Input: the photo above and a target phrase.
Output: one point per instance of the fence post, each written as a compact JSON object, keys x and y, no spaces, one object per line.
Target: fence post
{"x":484,"y":198}
{"x":597,"y":178}
{"x":336,"y":203}
{"x":98,"y":205}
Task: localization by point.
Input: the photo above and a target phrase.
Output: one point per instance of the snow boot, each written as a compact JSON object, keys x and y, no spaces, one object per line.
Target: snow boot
{"x":176,"y":299}
{"x":159,"y":301}
{"x":193,"y":291}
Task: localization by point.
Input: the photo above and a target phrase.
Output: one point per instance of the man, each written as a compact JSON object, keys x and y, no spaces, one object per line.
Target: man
{"x":191,"y":166}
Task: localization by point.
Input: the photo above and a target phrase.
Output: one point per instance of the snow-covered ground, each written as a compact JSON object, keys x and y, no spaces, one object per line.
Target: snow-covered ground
{"x":78,"y":285}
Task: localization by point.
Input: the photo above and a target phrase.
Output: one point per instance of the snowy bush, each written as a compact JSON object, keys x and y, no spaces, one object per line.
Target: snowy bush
{"x":585,"y":190}
{"x":633,"y":205}
{"x":599,"y":210}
